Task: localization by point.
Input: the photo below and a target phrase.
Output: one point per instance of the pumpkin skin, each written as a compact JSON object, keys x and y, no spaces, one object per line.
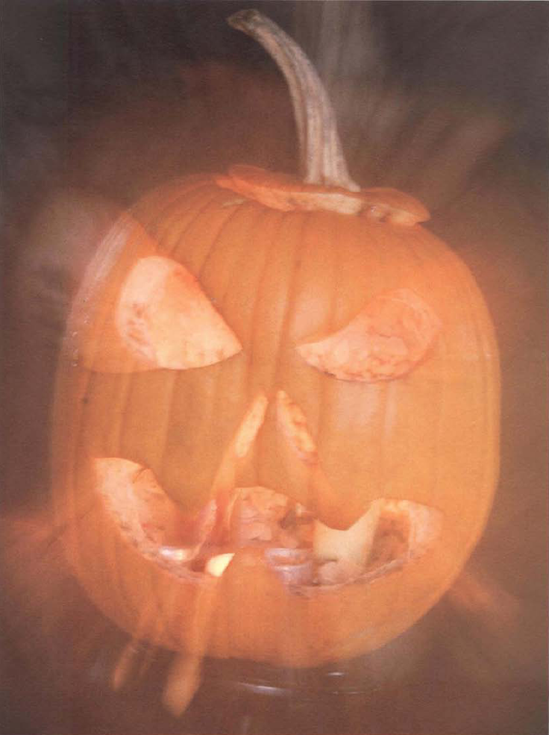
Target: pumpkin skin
{"x":279,"y":279}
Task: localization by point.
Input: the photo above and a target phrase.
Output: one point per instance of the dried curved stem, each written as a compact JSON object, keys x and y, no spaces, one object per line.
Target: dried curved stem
{"x":322,"y":161}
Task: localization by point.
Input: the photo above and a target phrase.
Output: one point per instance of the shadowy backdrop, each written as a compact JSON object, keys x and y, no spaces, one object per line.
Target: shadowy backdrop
{"x":102,"y":101}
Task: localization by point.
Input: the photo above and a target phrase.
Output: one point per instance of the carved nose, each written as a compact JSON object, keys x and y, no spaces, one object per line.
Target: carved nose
{"x":274,"y":448}
{"x":273,"y":430}
{"x":286,"y":418}
{"x":291,"y":421}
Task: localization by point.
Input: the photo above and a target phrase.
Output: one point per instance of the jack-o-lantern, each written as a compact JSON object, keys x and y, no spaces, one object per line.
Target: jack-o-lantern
{"x":276,"y":424}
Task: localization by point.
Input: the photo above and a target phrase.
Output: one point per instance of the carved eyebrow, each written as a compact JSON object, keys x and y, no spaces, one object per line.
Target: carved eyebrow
{"x":386,"y":340}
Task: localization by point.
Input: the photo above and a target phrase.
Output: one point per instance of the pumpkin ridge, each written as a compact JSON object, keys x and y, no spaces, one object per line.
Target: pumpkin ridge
{"x":284,"y":341}
{"x":216,"y":396}
{"x":476,"y":315}
{"x":330,"y":389}
{"x":249,"y":387}
{"x":268,"y":248}
{"x":467,"y":299}
{"x":150,"y":452}
{"x":271,"y":251}
{"x":292,"y":290}
{"x":124,"y":396}
{"x":164,"y":210}
{"x":108,"y":552}
{"x":164,"y":429}
{"x":166,"y":195}
{"x":414,"y":264}
{"x":253,"y":218}
{"x":168,"y":228}
{"x":307,"y":246}
{"x":117,"y":557}
{"x":218,"y":239}
{"x":327,"y":387}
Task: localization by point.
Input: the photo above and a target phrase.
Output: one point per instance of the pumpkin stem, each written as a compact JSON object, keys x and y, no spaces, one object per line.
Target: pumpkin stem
{"x":321,"y":156}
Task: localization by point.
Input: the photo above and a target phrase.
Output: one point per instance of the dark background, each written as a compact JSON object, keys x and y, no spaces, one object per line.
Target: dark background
{"x":447,"y":100}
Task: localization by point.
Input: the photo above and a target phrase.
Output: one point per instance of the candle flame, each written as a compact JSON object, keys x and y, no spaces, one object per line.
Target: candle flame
{"x":217,"y":564}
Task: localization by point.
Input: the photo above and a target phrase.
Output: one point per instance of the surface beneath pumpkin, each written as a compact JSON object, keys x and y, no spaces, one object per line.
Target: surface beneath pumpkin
{"x":300,"y":549}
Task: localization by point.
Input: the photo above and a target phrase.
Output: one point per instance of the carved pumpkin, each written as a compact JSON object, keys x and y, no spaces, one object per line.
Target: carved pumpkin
{"x":277,"y":409}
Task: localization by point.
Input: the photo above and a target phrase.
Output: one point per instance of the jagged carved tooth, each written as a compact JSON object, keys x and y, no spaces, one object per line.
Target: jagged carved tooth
{"x":353,"y":544}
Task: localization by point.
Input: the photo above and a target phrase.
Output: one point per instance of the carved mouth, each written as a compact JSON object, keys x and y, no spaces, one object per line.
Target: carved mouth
{"x":304,"y":552}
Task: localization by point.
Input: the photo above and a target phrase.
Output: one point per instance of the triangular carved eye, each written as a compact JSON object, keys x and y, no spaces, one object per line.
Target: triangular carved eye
{"x":386,"y":340}
{"x":160,"y":318}
{"x":164,"y":317}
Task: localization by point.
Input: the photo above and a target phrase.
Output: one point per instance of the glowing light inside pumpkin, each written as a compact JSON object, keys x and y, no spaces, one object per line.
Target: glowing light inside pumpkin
{"x":255,"y":514}
{"x":218,"y":564}
{"x":176,"y":554}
